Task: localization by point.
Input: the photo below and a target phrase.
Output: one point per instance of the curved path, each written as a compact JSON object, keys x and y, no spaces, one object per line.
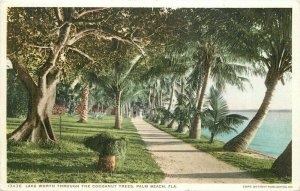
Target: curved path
{"x":183,"y":163}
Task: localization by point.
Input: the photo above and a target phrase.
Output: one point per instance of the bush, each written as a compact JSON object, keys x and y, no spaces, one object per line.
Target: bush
{"x":106,"y":144}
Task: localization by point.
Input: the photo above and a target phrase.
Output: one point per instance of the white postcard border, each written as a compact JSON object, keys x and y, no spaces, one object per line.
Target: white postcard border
{"x":295,"y":4}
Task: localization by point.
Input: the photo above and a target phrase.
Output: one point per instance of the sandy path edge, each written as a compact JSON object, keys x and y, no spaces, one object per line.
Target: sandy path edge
{"x":183,"y":163}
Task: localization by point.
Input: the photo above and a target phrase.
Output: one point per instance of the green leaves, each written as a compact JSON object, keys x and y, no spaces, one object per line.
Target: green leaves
{"x":216,"y":117}
{"x":106,"y":144}
{"x":259,"y":36}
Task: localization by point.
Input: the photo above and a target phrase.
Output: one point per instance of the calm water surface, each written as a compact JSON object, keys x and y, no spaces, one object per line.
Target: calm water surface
{"x":271,"y":138}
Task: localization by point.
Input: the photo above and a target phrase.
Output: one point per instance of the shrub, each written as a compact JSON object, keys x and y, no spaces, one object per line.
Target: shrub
{"x":106,"y":144}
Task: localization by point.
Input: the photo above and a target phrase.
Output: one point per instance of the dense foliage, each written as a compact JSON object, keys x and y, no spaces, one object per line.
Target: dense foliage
{"x":107,"y":144}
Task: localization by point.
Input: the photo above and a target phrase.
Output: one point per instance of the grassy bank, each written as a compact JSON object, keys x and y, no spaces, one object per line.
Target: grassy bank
{"x":257,"y":167}
{"x":70,"y":161}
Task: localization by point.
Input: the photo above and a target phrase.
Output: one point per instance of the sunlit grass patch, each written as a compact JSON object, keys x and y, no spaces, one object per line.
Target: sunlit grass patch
{"x":70,"y":161}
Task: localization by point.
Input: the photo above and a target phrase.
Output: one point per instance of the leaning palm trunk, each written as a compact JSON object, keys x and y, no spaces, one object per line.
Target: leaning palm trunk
{"x":118,"y":111}
{"x":283,"y":164}
{"x":195,"y":131}
{"x":84,"y":105}
{"x":242,"y":141}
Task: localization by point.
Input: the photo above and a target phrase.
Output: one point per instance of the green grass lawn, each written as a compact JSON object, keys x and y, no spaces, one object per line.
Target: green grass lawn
{"x":70,"y":161}
{"x":259,"y":168}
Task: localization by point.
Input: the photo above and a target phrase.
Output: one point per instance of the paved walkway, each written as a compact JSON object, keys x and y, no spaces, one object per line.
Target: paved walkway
{"x":182,"y":163}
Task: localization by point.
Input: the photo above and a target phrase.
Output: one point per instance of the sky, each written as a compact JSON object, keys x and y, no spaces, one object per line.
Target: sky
{"x":252,"y":97}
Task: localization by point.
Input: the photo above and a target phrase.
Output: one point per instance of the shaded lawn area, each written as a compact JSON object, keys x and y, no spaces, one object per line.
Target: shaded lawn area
{"x":70,"y":161}
{"x":258,"y":168}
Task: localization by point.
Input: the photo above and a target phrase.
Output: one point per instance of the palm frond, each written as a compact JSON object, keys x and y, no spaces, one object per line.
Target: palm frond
{"x":216,"y":117}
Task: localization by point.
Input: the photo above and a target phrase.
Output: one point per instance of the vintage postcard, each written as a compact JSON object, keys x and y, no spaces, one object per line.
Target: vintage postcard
{"x":149,"y":95}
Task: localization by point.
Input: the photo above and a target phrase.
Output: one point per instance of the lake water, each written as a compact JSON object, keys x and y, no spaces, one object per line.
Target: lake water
{"x":272,"y":137}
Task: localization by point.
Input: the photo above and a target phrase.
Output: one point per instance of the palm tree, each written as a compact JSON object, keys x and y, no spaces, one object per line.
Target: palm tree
{"x":117,"y":82}
{"x":83,"y":107}
{"x":270,"y":29}
{"x":162,"y":88}
{"x":168,"y":65}
{"x":184,"y":109}
{"x":212,"y":64}
{"x":167,"y":82}
{"x":216,"y":117}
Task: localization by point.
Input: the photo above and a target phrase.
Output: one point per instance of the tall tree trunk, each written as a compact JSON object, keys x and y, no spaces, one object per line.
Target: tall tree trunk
{"x":161,"y":119}
{"x":181,"y":125}
{"x":126,"y":110}
{"x":166,"y":118}
{"x":37,"y":126}
{"x":149,"y":102}
{"x":195,"y":131}
{"x":118,"y":111}
{"x":129,"y":109}
{"x":172,"y":95}
{"x":198,"y":91}
{"x":158,"y":102}
{"x":161,"y":99}
{"x":242,"y":140}
{"x":84,"y":105}
{"x":283,"y":164}
{"x":153,"y":103}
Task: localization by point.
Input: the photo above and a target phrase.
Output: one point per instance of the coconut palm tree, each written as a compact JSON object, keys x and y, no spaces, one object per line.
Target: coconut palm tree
{"x":212,"y":64}
{"x":216,"y":117}
{"x":167,"y":112}
{"x":267,"y":40}
{"x":83,"y":106}
{"x":181,"y":113}
{"x":117,"y":82}
{"x":168,"y":65}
